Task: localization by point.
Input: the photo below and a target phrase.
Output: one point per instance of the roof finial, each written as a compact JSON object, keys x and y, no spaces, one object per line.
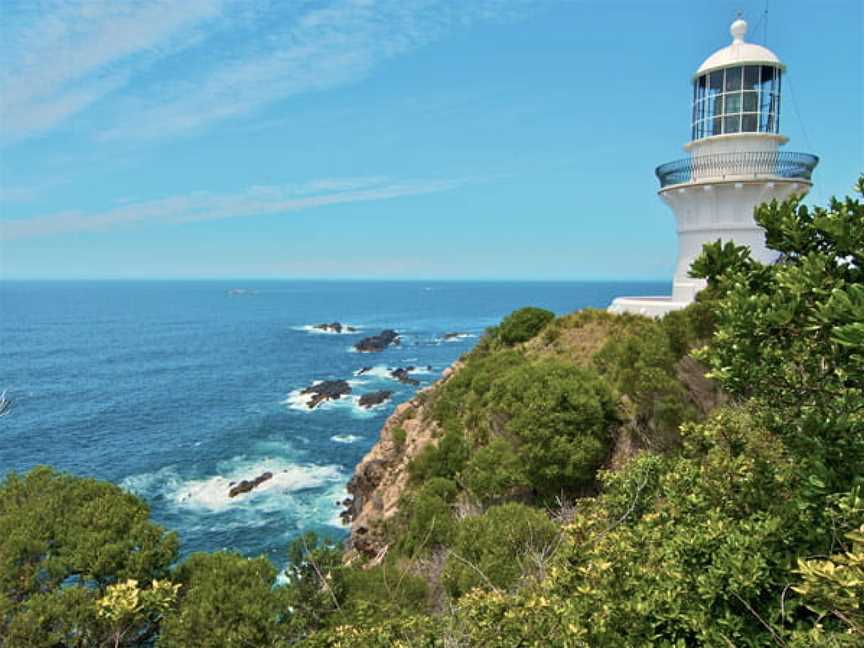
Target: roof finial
{"x":738,"y":29}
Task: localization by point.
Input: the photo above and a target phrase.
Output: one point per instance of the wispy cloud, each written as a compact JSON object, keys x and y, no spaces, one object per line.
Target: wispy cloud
{"x":60,"y":57}
{"x":227,"y":57}
{"x":254,"y":201}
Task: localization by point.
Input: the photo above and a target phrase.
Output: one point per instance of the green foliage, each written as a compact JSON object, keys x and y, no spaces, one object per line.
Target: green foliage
{"x":495,"y":550}
{"x":458,"y":404}
{"x":445,"y":459}
{"x":427,"y":521}
{"x":834,"y":588}
{"x":641,"y":366}
{"x":522,"y":325}
{"x":317,"y":581}
{"x":381,"y":594}
{"x":64,"y":541}
{"x":559,"y":416}
{"x":789,"y":334}
{"x":226,"y":601}
{"x":399,"y":437}
{"x":495,"y":471}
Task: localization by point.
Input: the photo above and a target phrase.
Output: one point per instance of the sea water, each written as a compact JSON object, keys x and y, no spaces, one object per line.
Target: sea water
{"x":174,"y":390}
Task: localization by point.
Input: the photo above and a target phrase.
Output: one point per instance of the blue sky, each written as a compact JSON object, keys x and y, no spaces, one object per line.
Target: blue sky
{"x":380,"y":139}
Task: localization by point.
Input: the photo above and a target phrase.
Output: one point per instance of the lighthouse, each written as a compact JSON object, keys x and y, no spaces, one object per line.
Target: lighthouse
{"x":735,"y":163}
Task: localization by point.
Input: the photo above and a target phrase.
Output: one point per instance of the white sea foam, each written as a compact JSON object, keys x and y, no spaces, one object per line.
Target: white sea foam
{"x":345,"y":438}
{"x":300,"y":402}
{"x":212,"y":493}
{"x":378,"y":371}
{"x":383,"y":372}
{"x":457,"y":338}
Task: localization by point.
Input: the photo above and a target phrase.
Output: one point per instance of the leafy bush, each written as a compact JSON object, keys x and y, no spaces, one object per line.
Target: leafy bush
{"x":786,"y":333}
{"x":226,"y":601}
{"x":641,"y":365}
{"x":495,"y":471}
{"x":559,"y":416}
{"x":426,"y":518}
{"x":399,"y":437}
{"x":522,"y":325}
{"x":496,"y":549}
{"x":445,"y":459}
{"x":65,"y":541}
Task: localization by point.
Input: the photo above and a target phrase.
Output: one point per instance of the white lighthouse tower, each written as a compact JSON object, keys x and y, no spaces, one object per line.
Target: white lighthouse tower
{"x":735,"y":164}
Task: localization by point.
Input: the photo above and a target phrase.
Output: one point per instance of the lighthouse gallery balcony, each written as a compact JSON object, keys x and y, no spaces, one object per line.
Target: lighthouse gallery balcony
{"x":738,"y":166}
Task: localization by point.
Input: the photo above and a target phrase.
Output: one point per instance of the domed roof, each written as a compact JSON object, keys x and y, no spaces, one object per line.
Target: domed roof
{"x":739,"y":52}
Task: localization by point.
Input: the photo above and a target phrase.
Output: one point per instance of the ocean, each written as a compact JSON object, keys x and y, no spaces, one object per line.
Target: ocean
{"x":175,"y":389}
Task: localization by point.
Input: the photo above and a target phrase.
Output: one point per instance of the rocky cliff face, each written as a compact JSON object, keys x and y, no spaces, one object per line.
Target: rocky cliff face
{"x":381,"y":477}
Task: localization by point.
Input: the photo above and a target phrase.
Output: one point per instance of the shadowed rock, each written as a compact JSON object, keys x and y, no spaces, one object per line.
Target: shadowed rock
{"x":327,"y":390}
{"x":334,"y":327}
{"x":374,"y":398}
{"x":403,"y":375}
{"x":378,"y":342}
{"x":245,"y":486}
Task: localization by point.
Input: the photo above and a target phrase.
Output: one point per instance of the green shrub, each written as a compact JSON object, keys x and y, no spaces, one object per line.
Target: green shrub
{"x":426,"y":520}
{"x":379,"y":595}
{"x":641,"y":365}
{"x":522,"y":325}
{"x":445,"y":459}
{"x":226,"y":601}
{"x":559,"y":417}
{"x":399,"y":437}
{"x":495,"y":471}
{"x":679,"y":331}
{"x":498,"y":548}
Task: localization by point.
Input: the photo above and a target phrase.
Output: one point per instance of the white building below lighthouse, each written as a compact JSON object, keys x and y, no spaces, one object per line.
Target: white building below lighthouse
{"x":734,"y":164}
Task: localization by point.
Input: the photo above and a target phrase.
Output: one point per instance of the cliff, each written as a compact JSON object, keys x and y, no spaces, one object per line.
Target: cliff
{"x":582,"y":339}
{"x":382,"y":476}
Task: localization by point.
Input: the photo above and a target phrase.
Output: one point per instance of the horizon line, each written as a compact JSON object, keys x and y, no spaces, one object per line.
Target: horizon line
{"x":344,"y":279}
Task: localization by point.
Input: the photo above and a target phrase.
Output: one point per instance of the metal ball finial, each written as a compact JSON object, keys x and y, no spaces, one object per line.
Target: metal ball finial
{"x":738,"y":29}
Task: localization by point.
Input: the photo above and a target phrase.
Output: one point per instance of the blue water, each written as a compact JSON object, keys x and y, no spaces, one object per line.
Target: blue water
{"x":175,"y":389}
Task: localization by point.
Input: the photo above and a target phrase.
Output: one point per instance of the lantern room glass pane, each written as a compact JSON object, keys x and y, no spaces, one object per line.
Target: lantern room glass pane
{"x":750,"y":102}
{"x":733,"y":103}
{"x":767,"y":82}
{"x":748,"y":123}
{"x":751,"y":77}
{"x":733,"y":79}
{"x":732,"y":124}
{"x":715,"y":82}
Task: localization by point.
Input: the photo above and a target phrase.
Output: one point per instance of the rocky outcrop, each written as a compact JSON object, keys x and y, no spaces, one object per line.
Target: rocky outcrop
{"x":403,"y":375}
{"x":335,"y":327}
{"x":326,"y":390}
{"x":381,"y":477}
{"x":372,"y":399}
{"x":246,"y":486}
{"x":377,"y":343}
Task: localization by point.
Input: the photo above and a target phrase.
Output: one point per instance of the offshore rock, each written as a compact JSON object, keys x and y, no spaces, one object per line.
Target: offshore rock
{"x":404,"y":376}
{"x":372,"y":399}
{"x":378,"y":342}
{"x":335,"y":327}
{"x":327,"y":390}
{"x":246,"y":486}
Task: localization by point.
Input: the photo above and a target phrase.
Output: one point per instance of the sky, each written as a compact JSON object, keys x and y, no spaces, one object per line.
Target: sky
{"x":397,"y":139}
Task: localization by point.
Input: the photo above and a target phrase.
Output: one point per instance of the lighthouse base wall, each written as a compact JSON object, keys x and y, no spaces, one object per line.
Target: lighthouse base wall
{"x":706,"y":212}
